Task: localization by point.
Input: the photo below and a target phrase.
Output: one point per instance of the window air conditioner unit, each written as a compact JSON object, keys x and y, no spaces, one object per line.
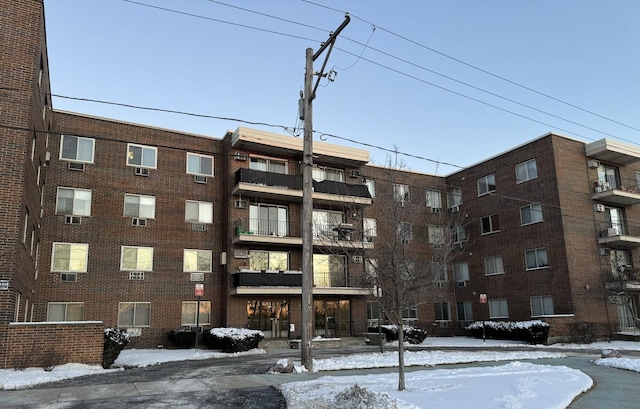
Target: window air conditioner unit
{"x":47,"y":157}
{"x":357,"y":259}
{"x":138,"y":222}
{"x":136,"y":275}
{"x":197,"y":276}
{"x":593,"y":164}
{"x":435,"y":210}
{"x":613,"y":231}
{"x":72,"y":219}
{"x":455,"y":209}
{"x":355,"y":174}
{"x":240,"y":204}
{"x":440,"y":284}
{"x":198,"y":226}
{"x":240,"y":253}
{"x":142,"y":171}
{"x":68,"y":277}
{"x":240,"y":156}
{"x":200,"y":179}
{"x":76,"y":166}
{"x":598,"y":207}
{"x":462,"y":283}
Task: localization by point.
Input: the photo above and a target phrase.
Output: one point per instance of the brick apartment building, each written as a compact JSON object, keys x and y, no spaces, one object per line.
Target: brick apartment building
{"x":116,"y":222}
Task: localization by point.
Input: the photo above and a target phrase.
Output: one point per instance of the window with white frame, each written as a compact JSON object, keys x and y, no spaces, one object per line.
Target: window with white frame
{"x":454,"y":197}
{"x":73,"y":202}
{"x":268,"y":260}
{"x":69,"y":257}
{"x":370,"y":228}
{"x":439,"y":271}
{"x":436,"y":234}
{"x":536,"y":258}
{"x":371,"y":185}
{"x":531,"y":213}
{"x":142,"y":156}
{"x":490,"y":224}
{"x":321,"y":173}
{"x":374,"y":313}
{"x":461,"y":271}
{"x":498,"y":308}
{"x":189,"y":313}
{"x":465,"y":310}
{"x":401,"y":192}
{"x":139,"y":206}
{"x":434,"y":199}
{"x":134,"y":314}
{"x":198,"y":212}
{"x":441,"y":311}
{"x":201,"y":165}
{"x":493,"y":265}
{"x":269,"y":220}
{"x":136,"y":258}
{"x":486,"y":184}
{"x":77,"y":149}
{"x":459,"y":234}
{"x":371,"y":266}
{"x":541,"y":305}
{"x":526,"y":171}
{"x":196,"y":261}
{"x":268,"y":165}
{"x":405,"y":231}
{"x":410,"y":313}
{"x":65,"y":311}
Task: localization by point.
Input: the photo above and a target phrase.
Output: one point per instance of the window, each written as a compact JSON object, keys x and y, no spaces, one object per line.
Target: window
{"x":541,"y":305}
{"x":441,"y":311}
{"x":324,"y":223}
{"x":140,"y":206}
{"x":196,"y":261}
{"x":77,"y":149}
{"x":269,"y":220}
{"x":465,"y":311}
{"x":75,"y":202}
{"x":637,"y":180}
{"x":498,"y":308}
{"x":461,"y":271}
{"x":434,"y":199}
{"x":373,"y":313}
{"x":436,"y":234}
{"x":142,"y":156}
{"x":25,"y":226}
{"x":490,"y":224}
{"x":526,"y":171}
{"x":459,"y":234}
{"x":439,"y":271}
{"x":493,"y":265}
{"x":486,"y":184}
{"x":321,"y":173}
{"x":410,"y":313}
{"x":620,"y":262}
{"x":134,"y":314}
{"x":371,"y":266}
{"x":454,"y":197}
{"x":65,"y":311}
{"x":401,"y":192}
{"x":189,"y":313}
{"x":405,"y":231}
{"x":69,"y":257}
{"x":371,"y":185}
{"x":531,"y":214}
{"x":198,"y":212}
{"x":329,"y":270}
{"x":136,"y":258}
{"x":268,"y":260}
{"x":268,"y":165}
{"x":199,"y":164}
{"x":536,"y":258}
{"x":370,"y":228}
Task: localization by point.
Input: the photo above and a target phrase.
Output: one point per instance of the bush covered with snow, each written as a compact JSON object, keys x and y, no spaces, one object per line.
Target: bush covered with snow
{"x":182,"y":338}
{"x":232,"y":339}
{"x":533,"y":332}
{"x":114,"y":342}
{"x":412,"y":335}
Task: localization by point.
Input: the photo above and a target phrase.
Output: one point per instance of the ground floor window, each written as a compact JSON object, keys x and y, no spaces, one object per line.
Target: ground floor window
{"x":374,"y":314}
{"x":65,"y":311}
{"x":441,"y":311}
{"x":134,"y":314}
{"x":465,"y":311}
{"x":332,"y":318}
{"x":270,"y":317}
{"x":189,"y":313}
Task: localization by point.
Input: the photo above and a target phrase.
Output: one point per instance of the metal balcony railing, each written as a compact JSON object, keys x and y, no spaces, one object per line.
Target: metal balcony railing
{"x":612,"y":182}
{"x":267,"y":279}
{"x":621,"y":228}
{"x":267,"y":227}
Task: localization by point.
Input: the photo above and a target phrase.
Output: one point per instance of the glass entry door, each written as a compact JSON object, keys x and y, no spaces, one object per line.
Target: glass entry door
{"x":332,"y":318}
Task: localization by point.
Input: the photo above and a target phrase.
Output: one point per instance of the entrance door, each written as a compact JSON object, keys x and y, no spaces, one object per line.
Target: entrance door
{"x":332,"y":318}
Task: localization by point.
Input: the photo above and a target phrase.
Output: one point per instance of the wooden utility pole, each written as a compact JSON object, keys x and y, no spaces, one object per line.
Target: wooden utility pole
{"x":306,"y":345}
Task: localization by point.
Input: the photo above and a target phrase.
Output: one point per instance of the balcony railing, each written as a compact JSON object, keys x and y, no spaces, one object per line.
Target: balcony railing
{"x":621,"y":234}
{"x":617,"y":191}
{"x":255,"y":278}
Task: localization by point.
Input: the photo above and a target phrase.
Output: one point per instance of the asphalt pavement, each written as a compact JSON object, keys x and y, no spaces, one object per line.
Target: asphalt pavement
{"x":243,"y":382}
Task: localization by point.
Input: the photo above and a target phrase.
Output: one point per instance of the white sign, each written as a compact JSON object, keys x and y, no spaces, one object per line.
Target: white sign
{"x":483,"y":298}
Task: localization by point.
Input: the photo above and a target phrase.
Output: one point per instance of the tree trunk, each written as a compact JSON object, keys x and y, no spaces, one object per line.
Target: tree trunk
{"x":401,"y":386}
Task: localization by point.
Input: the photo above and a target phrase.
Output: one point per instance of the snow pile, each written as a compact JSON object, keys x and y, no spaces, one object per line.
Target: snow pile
{"x":620,"y":363}
{"x":236,"y":333}
{"x":508,"y":325}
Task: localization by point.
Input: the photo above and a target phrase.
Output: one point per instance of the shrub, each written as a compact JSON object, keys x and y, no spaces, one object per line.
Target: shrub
{"x":412,"y":335}
{"x":232,"y":339}
{"x":182,"y":338}
{"x":114,"y":342}
{"x":533,"y":332}
{"x":582,"y":332}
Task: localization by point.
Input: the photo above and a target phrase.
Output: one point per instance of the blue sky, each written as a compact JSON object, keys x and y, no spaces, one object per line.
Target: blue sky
{"x":416,"y":88}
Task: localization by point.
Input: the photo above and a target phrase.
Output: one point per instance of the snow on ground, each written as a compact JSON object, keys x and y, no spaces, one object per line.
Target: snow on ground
{"x":513,"y":385}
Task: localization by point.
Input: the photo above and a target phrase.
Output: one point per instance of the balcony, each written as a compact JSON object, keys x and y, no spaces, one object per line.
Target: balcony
{"x":622,"y":192}
{"x":266,"y":231}
{"x":619,"y":235}
{"x":342,"y":235}
{"x":290,"y":282}
{"x":278,"y":186}
{"x":613,"y":152}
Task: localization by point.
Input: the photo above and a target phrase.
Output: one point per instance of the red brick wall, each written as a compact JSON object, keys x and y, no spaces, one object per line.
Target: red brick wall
{"x":35,"y":344}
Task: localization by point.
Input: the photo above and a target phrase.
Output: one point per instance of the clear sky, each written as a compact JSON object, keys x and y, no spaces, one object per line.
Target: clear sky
{"x":424,"y":77}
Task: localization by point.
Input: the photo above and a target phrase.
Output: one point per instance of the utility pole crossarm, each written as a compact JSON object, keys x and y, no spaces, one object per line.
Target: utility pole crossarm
{"x":332,"y":37}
